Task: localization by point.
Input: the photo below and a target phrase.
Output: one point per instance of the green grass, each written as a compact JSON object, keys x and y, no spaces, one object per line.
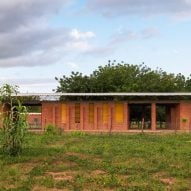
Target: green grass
{"x":120,"y":162}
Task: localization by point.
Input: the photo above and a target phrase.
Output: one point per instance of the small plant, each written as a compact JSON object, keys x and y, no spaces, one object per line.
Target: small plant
{"x":14,"y":120}
{"x":184,"y":120}
{"x":50,"y":129}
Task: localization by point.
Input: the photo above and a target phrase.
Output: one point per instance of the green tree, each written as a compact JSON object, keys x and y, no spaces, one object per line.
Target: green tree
{"x":14,"y":120}
{"x":76,"y":82}
{"x":122,"y":77}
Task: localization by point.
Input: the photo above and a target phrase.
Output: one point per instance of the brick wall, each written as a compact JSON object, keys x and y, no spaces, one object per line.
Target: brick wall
{"x":185,"y":113}
{"x":52,"y":114}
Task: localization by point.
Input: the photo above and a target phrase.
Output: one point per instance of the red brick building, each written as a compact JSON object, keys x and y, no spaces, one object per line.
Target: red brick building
{"x":116,"y":112}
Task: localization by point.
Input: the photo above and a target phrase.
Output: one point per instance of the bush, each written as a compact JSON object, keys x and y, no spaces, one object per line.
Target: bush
{"x":51,"y":129}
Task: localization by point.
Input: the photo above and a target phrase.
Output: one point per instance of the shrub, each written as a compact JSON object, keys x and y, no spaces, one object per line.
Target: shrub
{"x":51,"y":129}
{"x":184,"y":120}
{"x":14,"y":120}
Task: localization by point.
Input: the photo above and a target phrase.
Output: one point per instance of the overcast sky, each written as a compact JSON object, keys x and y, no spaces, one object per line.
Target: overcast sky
{"x":41,"y":39}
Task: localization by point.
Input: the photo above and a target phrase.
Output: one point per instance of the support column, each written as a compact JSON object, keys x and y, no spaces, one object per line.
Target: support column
{"x":126,"y":113}
{"x":153,"y":116}
{"x":168,"y":117}
{"x":43,"y":116}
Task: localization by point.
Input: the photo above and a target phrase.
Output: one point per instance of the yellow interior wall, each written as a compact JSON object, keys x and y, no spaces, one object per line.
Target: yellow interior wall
{"x":91,"y":112}
{"x":119,"y":113}
{"x":63,"y":113}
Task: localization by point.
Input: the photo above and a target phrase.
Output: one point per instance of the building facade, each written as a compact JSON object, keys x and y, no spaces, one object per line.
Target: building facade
{"x":110,"y":112}
{"x":116,"y":116}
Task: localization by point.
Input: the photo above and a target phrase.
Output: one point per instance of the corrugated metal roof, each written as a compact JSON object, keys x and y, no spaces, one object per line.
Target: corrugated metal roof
{"x":107,"y":94}
{"x":56,"y":96}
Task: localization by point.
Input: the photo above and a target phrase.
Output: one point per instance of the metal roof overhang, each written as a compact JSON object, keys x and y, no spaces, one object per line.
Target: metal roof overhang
{"x":36,"y":98}
{"x":106,"y":94}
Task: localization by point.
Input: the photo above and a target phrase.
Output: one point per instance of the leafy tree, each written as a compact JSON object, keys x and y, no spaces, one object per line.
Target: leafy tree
{"x":122,"y":77}
{"x":14,"y":120}
{"x":76,"y":82}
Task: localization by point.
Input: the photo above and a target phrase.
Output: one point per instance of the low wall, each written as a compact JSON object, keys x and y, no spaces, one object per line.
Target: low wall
{"x":34,"y":120}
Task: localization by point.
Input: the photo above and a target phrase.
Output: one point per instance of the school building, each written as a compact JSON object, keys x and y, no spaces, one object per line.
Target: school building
{"x":111,"y":112}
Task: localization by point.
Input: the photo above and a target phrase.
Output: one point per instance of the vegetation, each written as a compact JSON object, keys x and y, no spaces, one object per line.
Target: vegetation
{"x":14,"y":120}
{"x":51,"y":129}
{"x":34,"y":109}
{"x":121,"y":77}
{"x":79,"y":161}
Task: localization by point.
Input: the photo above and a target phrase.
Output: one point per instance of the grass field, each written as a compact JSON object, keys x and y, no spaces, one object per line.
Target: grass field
{"x":99,"y":162}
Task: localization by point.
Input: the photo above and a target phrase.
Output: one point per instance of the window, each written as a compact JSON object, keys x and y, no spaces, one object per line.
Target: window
{"x":77,"y":113}
{"x":105,"y":112}
{"x":63,"y":113}
{"x":91,"y":112}
{"x":119,"y":112}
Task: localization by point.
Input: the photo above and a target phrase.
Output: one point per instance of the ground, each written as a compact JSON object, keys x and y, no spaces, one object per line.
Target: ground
{"x":79,"y":161}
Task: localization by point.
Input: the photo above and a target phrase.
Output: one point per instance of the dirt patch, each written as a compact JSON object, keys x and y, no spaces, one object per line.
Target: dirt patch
{"x":129,"y":161}
{"x":64,"y":163}
{"x":7,"y":185}
{"x":98,"y":172}
{"x":62,"y":175}
{"x":26,"y":167}
{"x":79,"y":155}
{"x":42,"y":188}
{"x":169,"y":181}
{"x":160,"y":174}
{"x":163,"y":177}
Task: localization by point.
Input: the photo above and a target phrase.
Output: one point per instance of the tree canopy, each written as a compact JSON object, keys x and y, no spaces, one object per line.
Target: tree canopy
{"x":122,"y":77}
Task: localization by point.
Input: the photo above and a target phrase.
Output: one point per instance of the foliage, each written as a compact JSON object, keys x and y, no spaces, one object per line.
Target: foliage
{"x":34,"y":109}
{"x":75,"y":83}
{"x":50,"y":129}
{"x":14,"y":120}
{"x":184,"y":120}
{"x":122,"y":77}
{"x":100,"y":162}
